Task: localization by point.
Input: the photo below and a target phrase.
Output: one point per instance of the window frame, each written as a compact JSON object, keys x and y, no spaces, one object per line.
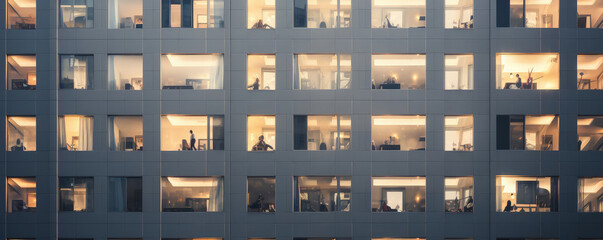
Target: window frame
{"x":338,"y":83}
{"x":337,"y":140}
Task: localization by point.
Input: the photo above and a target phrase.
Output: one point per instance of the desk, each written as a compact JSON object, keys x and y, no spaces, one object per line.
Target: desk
{"x":523,"y":85}
{"x":389,"y":147}
{"x":177,"y":87}
{"x":389,"y":86}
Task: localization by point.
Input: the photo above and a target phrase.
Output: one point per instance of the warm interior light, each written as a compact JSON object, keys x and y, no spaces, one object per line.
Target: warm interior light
{"x":399,"y":62}
{"x":269,"y":121}
{"x":585,"y":121}
{"x":452,"y":2}
{"x":269,"y":60}
{"x":270,"y":2}
{"x":525,"y":62}
{"x":25,"y":182}
{"x":592,"y":185}
{"x":586,"y":62}
{"x":399,"y":181}
{"x":531,"y":2}
{"x":24,"y":121}
{"x":451,"y":181}
{"x":398,"y":121}
{"x":399,"y":3}
{"x":192,"y":181}
{"x":183,"y":60}
{"x":586,"y":2}
{"x":539,"y":120}
{"x":451,"y":61}
{"x":451,"y":121}
{"x":24,"y":61}
{"x":26,"y":3}
{"x":185,"y":120}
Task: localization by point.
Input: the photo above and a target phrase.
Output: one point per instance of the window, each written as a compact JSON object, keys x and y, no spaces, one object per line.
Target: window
{"x":527,"y":194}
{"x":125,"y":133}
{"x":192,"y":71}
{"x":76,"y":13}
{"x":21,"y":72}
{"x":261,"y":14}
{"x":322,"y":71}
{"x":21,"y":14}
{"x":261,"y":72}
{"x":125,"y":194}
{"x":261,"y":194}
{"x":398,"y":132}
{"x":458,"y":133}
{"x":192,"y":13}
{"x":590,"y":194}
{"x":322,"y":238}
{"x":21,"y":133}
{"x":192,"y":239}
{"x":529,"y":132}
{"x":458,"y":14}
{"x":125,"y":14}
{"x":458,"y":73}
{"x":322,"y":194}
{"x":322,"y":132}
{"x":398,"y":238}
{"x":125,"y":72}
{"x":192,"y":194}
{"x":590,"y":72}
{"x":589,"y":14}
{"x":77,"y":71}
{"x":322,"y":14}
{"x":458,"y":194}
{"x":21,"y":194}
{"x":76,"y":132}
{"x":398,"y":71}
{"x":261,"y":133}
{"x":192,"y":133}
{"x":535,"y":71}
{"x":398,"y":194}
{"x":398,"y":14}
{"x":76,"y":194}
{"x":527,"y":13}
{"x":590,"y":133}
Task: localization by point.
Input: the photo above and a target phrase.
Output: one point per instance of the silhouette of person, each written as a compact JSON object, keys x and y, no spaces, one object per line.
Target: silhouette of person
{"x":261,"y":145}
{"x":193,"y":140}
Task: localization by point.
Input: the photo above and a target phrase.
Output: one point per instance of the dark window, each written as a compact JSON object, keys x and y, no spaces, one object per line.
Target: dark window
{"x":261,"y":194}
{"x":300,"y":13}
{"x":76,"y":194}
{"x":125,"y":194}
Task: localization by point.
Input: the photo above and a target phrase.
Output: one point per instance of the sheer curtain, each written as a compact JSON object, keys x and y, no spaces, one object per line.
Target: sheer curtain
{"x":86,"y":130}
{"x":117,"y":194}
{"x":113,"y":77}
{"x":62,"y":134}
{"x":113,"y":135}
{"x":113,"y":14}
{"x":218,"y":81}
{"x":216,"y":198}
{"x":79,"y":72}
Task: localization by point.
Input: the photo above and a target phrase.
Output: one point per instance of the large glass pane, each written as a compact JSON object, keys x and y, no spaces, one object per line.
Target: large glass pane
{"x":398,"y":194}
{"x":541,"y":14}
{"x":77,"y":71}
{"x":322,"y":14}
{"x":21,"y":194}
{"x":542,"y":132}
{"x":199,"y":71}
{"x":590,"y":194}
{"x":590,"y":133}
{"x":322,"y":194}
{"x":125,"y":133}
{"x":21,"y":72}
{"x":125,"y":14}
{"x":398,"y":71}
{"x":322,"y":71}
{"x":590,"y":71}
{"x":261,"y":14}
{"x":191,"y":194}
{"x":458,"y":194}
{"x":76,"y":132}
{"x":345,"y":132}
{"x":21,"y":14}
{"x":125,"y":72}
{"x":261,"y":133}
{"x":590,"y":13}
{"x":192,"y":132}
{"x":458,"y":72}
{"x":20,"y":133}
{"x":76,"y":13}
{"x":536,"y":71}
{"x":320,"y":132}
{"x":261,"y":194}
{"x":261,"y":72}
{"x":76,"y":194}
{"x":527,"y":194}
{"x":391,"y":132}
{"x":458,"y":14}
{"x":458,"y":133}
{"x":398,"y":14}
{"x":125,"y":194}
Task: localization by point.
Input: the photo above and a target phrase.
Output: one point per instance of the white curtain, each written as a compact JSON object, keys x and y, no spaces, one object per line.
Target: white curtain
{"x":117,"y":194}
{"x":113,"y":14}
{"x":62,"y":133}
{"x":113,"y":135}
{"x":113,"y":73}
{"x":86,"y":130}
{"x":79,"y":73}
{"x":216,"y":197}
{"x":218,"y":81}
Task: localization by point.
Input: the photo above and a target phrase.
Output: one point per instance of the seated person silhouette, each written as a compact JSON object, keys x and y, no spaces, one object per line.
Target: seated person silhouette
{"x":469,"y":205}
{"x":184,"y":146}
{"x":388,"y":23}
{"x":261,"y":145}
{"x":259,"y":202}
{"x":260,"y":25}
{"x":508,"y":208}
{"x":255,"y":85}
{"x":18,"y":147}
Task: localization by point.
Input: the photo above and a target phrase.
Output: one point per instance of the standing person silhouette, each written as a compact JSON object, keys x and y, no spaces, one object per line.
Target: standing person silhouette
{"x":193,"y":140}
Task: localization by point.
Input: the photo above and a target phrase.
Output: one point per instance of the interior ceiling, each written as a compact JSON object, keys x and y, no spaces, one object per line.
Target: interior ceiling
{"x":525,"y":62}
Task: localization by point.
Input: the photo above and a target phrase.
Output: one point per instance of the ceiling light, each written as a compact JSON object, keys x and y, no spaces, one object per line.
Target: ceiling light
{"x":24,"y":121}
{"x":269,"y":60}
{"x":451,"y":61}
{"x":269,"y":120}
{"x":394,"y":62}
{"x":586,"y":62}
{"x":540,"y":120}
{"x":192,"y":181}
{"x":199,"y":60}
{"x":399,"y":3}
{"x":25,"y":182}
{"x":270,"y":2}
{"x":26,"y":3}
{"x":24,"y":60}
{"x":522,"y":63}
{"x":451,"y":121}
{"x":451,"y":181}
{"x":452,"y":2}
{"x":586,"y":2}
{"x":398,"y":121}
{"x":185,"y":120}
{"x":399,"y":181}
{"x":585,"y":121}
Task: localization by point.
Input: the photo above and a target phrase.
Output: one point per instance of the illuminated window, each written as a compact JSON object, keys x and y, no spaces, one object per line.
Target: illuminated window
{"x":191,"y":238}
{"x":322,"y":238}
{"x":192,"y":13}
{"x":261,"y":72}
{"x":398,"y":132}
{"x":125,"y":72}
{"x":458,"y":14}
{"x":76,"y":132}
{"x":76,"y":194}
{"x":20,"y":133}
{"x":192,"y":133}
{"x":590,"y":72}
{"x":527,"y":13}
{"x":398,"y":194}
{"x":589,"y":14}
{"x":125,"y":133}
{"x":76,"y":13}
{"x":590,"y":194}
{"x":21,"y":72}
{"x":527,"y":194}
{"x":125,"y":14}
{"x":192,"y":194}
{"x":458,"y":194}
{"x":261,"y":14}
{"x":322,"y":71}
{"x":21,"y":194}
{"x":322,"y":14}
{"x":590,"y":133}
{"x":21,"y":14}
{"x":77,"y":71}
{"x":322,"y":194}
{"x":398,"y":14}
{"x":125,"y":194}
{"x":322,"y":132}
{"x":398,"y":238}
{"x":458,"y":133}
{"x":529,"y":132}
{"x":458,"y":72}
{"x":192,"y":71}
{"x":535,"y":71}
{"x":261,"y":194}
{"x":398,"y":71}
{"x":261,"y":133}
